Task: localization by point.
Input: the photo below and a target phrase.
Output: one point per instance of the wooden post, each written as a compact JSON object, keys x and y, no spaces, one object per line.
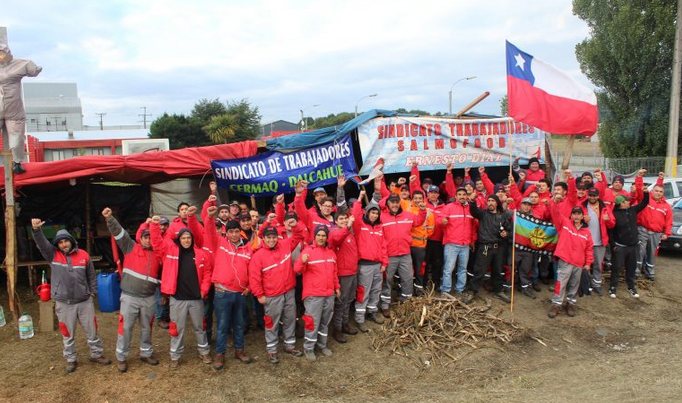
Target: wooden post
{"x":567,"y":153}
{"x":10,"y":228}
{"x":472,"y":104}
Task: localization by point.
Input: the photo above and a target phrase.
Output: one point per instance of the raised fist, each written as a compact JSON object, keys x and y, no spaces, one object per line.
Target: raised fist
{"x":212,"y":198}
{"x":449,"y":167}
{"x":279,"y":198}
{"x":481,"y":170}
{"x":413,"y":178}
{"x":156,"y":219}
{"x":36,"y":223}
{"x":211,"y":211}
{"x":642,"y":172}
{"x":212,"y":185}
{"x":271,"y":217}
{"x":191,"y":210}
{"x":568,"y":173}
{"x":466,"y":171}
{"x":401,"y":181}
{"x":106,"y":213}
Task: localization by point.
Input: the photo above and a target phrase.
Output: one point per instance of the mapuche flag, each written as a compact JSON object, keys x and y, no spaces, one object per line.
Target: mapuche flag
{"x":543,"y":96}
{"x":533,"y":234}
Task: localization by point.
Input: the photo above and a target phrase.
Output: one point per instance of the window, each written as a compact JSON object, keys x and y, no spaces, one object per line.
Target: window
{"x":668,"y":190}
{"x":679,"y":188}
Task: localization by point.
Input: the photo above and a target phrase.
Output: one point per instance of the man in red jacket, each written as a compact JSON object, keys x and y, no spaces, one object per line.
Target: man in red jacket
{"x":273,"y":282}
{"x":186,"y":278}
{"x":458,"y":236}
{"x":599,"y":219}
{"x":317,"y":264}
{"x":230,"y":278}
{"x":397,"y":231}
{"x":654,"y":225}
{"x":574,"y":254}
{"x":342,"y":241}
{"x":140,"y":279}
{"x":373,"y":256}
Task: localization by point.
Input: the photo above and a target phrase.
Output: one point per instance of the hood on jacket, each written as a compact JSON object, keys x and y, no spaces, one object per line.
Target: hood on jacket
{"x":64,"y":234}
{"x":365,"y":217}
{"x":182,"y":231}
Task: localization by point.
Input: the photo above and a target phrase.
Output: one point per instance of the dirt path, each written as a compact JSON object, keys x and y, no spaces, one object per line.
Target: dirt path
{"x":621,"y":350}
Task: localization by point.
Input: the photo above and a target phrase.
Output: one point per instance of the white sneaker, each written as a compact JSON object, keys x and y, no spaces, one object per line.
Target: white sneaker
{"x":633,"y":292}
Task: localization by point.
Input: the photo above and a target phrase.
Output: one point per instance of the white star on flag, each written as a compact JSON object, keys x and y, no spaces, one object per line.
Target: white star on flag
{"x":519,"y":61}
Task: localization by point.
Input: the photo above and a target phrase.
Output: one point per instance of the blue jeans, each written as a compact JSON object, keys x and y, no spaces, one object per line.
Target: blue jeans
{"x":162,"y":311}
{"x":452,"y":254}
{"x":229,"y":309}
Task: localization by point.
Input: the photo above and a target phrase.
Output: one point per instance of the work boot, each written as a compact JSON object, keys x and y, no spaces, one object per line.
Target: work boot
{"x":17,"y":168}
{"x":122,"y":366}
{"x":502,"y":296}
{"x":348,"y":329}
{"x":206,"y":358}
{"x":175,"y":364}
{"x":310,"y":355}
{"x":362,"y":327}
{"x":554,"y":311}
{"x":272,"y":357}
{"x":376,"y":318}
{"x":219,"y":362}
{"x":536,"y":287}
{"x":570,"y":310}
{"x":102,"y":360}
{"x":337,"y":334}
{"x":326,"y":352}
{"x":293,"y":351}
{"x":386,"y":313}
{"x":468,"y":296}
{"x":71,"y":366}
{"x":241,"y":356}
{"x":528,"y":292}
{"x":150,"y":360}
{"x":163,"y":324}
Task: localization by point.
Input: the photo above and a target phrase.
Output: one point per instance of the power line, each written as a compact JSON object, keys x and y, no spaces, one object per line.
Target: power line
{"x":144,"y":115}
{"x":101,"y":120}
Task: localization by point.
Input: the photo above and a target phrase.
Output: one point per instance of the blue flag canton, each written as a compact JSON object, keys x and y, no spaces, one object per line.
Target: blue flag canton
{"x":518,"y":64}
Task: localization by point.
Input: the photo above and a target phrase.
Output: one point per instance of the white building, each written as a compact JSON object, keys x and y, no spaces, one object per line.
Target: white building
{"x":52,"y":107}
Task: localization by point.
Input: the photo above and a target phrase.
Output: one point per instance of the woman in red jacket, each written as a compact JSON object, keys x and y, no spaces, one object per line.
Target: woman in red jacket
{"x":342,"y":241}
{"x":317,"y":263}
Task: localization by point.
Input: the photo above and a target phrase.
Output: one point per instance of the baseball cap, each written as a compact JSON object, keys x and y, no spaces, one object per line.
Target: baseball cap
{"x":232,"y":224}
{"x":526,"y":200}
{"x":499,"y":188}
{"x":319,"y":189}
{"x":593,"y":192}
{"x":224,"y":207}
{"x":145,"y":232}
{"x":291,"y":214}
{"x":270,"y":230}
{"x":234,"y":203}
{"x":619,"y":178}
{"x":433,"y":188}
{"x":577,"y":209}
{"x":393,"y":197}
{"x":621,"y":198}
{"x":164,"y":221}
{"x":244,"y":216}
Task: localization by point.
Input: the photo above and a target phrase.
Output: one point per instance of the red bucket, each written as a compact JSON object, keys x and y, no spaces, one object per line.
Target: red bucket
{"x":43,"y":291}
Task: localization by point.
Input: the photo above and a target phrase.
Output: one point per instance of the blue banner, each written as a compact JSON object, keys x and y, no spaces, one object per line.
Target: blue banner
{"x":274,"y":172}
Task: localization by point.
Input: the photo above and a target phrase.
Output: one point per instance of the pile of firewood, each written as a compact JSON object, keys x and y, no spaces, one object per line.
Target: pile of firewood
{"x":434,"y":330}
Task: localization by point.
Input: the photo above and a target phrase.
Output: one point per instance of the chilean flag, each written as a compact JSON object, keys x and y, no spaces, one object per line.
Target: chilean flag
{"x":545,"y":97}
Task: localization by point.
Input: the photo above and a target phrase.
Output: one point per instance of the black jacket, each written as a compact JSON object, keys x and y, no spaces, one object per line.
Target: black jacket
{"x":489,"y":223}
{"x":625,"y":230}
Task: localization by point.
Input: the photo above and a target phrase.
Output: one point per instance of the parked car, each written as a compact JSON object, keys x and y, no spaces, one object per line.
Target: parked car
{"x":674,"y":241}
{"x":672,"y":187}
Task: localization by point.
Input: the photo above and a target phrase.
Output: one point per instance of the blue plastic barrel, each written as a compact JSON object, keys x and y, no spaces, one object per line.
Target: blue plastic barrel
{"x":108,"y":292}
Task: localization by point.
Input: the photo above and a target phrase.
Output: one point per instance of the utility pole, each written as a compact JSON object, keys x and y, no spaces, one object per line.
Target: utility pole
{"x":101,"y":120}
{"x":674,"y":122}
{"x":144,"y":115}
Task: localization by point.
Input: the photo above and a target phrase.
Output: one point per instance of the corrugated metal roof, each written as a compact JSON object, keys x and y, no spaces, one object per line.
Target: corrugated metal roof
{"x":92,"y":135}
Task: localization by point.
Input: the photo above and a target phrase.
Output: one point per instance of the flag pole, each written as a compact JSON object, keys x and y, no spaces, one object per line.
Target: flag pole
{"x":511,"y":307}
{"x":511,"y":151}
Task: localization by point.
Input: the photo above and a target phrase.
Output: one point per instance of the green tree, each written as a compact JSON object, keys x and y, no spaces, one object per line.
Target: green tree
{"x":222,"y":129}
{"x":629,"y":57}
{"x":332,"y":120}
{"x":180,"y":130}
{"x":247,"y":119}
{"x":504,"y":106}
{"x":205,"y":109}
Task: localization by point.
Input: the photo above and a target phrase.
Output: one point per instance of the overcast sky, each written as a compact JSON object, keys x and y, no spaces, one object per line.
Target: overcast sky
{"x":284,"y":56}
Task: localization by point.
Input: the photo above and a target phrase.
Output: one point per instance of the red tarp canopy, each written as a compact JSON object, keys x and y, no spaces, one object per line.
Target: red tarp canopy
{"x":145,"y":168}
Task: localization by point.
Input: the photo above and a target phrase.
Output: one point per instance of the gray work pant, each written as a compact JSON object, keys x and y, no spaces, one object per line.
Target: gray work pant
{"x":368,"y":289}
{"x":568,"y":283}
{"x":83,"y":312}
{"x":318,"y":314}
{"x":281,"y":308}
{"x":179,"y":309}
{"x":648,"y":243}
{"x":342,"y":304}
{"x":132,"y":309}
{"x":403,"y":266}
{"x":523,"y":262}
{"x":599,"y":252}
{"x":16,"y":131}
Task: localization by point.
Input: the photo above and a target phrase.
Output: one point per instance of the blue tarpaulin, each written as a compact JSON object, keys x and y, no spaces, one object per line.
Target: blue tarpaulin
{"x":327,"y":134}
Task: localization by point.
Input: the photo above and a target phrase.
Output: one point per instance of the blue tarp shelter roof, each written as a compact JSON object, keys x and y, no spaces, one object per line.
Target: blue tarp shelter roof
{"x":327,"y":134}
